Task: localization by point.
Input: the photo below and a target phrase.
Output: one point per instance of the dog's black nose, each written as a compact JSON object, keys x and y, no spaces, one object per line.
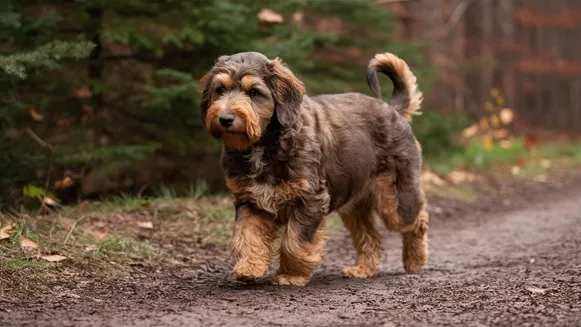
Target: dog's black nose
{"x":226,"y":120}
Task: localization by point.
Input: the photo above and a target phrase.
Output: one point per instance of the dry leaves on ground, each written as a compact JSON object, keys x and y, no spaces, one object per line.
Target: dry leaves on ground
{"x":53,"y":258}
{"x":459,"y":177}
{"x":35,"y":115}
{"x":7,"y":230}
{"x":430,"y":179}
{"x":27,"y":244}
{"x":145,"y":224}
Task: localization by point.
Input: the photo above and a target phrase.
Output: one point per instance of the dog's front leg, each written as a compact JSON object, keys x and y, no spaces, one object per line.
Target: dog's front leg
{"x":252,"y":241}
{"x":302,"y":243}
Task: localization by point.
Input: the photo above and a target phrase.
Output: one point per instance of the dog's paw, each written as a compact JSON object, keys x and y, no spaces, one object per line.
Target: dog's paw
{"x":284,"y":279}
{"x":247,"y":272}
{"x":358,"y":272}
{"x":413,"y":266}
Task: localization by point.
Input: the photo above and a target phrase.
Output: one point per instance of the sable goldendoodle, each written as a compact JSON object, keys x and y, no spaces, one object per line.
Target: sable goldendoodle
{"x":291,"y":159}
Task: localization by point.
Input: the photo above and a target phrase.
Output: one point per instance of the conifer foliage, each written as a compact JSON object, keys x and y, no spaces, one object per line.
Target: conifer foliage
{"x":125,"y":92}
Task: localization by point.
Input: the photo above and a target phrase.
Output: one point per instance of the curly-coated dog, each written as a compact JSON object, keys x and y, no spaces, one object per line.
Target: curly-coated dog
{"x":291,"y":159}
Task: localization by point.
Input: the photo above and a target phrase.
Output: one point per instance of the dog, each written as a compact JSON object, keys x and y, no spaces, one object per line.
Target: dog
{"x":291,"y":159}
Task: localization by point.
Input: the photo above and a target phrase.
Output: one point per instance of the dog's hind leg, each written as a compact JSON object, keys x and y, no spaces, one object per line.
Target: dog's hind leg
{"x":359,"y":222}
{"x":252,"y":243}
{"x":414,"y":233}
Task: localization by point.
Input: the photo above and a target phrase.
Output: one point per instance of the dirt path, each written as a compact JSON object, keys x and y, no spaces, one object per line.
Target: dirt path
{"x":520,"y":268}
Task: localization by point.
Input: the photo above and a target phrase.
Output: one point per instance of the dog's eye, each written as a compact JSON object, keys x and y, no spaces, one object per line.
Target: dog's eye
{"x":253,"y":92}
{"x":221,"y":90}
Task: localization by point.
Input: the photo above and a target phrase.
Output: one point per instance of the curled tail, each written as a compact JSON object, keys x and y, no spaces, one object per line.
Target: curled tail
{"x":406,"y":97}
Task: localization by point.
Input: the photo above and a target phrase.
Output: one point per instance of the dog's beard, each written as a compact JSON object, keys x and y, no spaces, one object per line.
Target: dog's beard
{"x":244,"y":132}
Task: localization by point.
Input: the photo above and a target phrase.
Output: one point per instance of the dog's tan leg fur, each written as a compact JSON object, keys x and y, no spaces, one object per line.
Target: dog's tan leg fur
{"x":299,"y":259}
{"x":415,"y":236}
{"x":367,"y":242}
{"x":415,"y":245}
{"x":252,"y":244}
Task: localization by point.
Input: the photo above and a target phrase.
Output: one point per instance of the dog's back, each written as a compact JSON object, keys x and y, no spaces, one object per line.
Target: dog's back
{"x":360,"y":134}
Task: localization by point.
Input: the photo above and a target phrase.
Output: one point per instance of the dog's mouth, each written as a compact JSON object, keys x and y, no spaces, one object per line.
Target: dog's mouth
{"x":234,"y":132}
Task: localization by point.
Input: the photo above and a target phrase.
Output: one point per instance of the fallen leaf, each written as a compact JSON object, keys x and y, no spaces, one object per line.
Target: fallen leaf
{"x":174,"y":262}
{"x":145,"y":224}
{"x":54,"y":258}
{"x":536,"y":290}
{"x":458,"y":177}
{"x":50,"y":202}
{"x":429,"y":177}
{"x":35,"y":115}
{"x":470,"y":131}
{"x":531,"y":142}
{"x":6,"y":231}
{"x":298,"y":17}
{"x":27,"y":243}
{"x":521,"y":161}
{"x":99,"y":235}
{"x":545,"y":163}
{"x":540,"y":178}
{"x":268,"y":15}
{"x":506,"y":116}
{"x":83,"y":92}
{"x":505,"y":144}
{"x":64,"y":122}
{"x":63,"y":183}
{"x":500,"y":133}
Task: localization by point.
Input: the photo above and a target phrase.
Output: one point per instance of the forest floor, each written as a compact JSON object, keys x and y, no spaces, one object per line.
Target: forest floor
{"x":506,"y":254}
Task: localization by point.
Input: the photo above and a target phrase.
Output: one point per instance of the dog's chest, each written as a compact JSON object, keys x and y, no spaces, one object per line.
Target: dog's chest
{"x":266,"y":184}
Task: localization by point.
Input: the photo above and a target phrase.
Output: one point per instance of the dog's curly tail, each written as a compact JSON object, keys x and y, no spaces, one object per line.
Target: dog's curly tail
{"x":406,"y":97}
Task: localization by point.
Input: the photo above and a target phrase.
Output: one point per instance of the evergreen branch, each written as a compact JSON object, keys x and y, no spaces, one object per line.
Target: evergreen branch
{"x":44,"y":56}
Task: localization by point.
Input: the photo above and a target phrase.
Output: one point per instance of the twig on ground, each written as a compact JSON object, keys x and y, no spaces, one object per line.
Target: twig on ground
{"x":72,"y":228}
{"x":51,"y":150}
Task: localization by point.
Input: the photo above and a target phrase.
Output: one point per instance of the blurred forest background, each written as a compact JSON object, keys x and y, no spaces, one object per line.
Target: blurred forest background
{"x":100,"y":97}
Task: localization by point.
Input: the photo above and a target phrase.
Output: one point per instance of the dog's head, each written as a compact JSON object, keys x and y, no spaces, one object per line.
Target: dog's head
{"x":243,"y":93}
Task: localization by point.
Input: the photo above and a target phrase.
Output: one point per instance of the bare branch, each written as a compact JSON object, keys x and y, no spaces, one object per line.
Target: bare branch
{"x":37,"y":139}
{"x":457,"y":15}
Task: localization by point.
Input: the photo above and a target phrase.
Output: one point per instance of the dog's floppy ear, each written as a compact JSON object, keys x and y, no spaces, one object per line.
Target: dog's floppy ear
{"x":205,"y":95}
{"x":288,"y":92}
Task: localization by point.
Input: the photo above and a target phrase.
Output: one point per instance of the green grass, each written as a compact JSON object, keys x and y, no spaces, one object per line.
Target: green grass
{"x":216,"y":224}
{"x":462,"y":192}
{"x":476,"y":158}
{"x":121,"y":247}
{"x":20,"y":264}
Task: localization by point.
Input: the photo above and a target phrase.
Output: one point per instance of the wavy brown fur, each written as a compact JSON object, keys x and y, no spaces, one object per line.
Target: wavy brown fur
{"x":406,"y":98}
{"x":304,"y":157}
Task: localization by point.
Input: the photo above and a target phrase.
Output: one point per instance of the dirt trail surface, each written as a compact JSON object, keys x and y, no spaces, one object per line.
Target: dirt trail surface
{"x":513,"y":268}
